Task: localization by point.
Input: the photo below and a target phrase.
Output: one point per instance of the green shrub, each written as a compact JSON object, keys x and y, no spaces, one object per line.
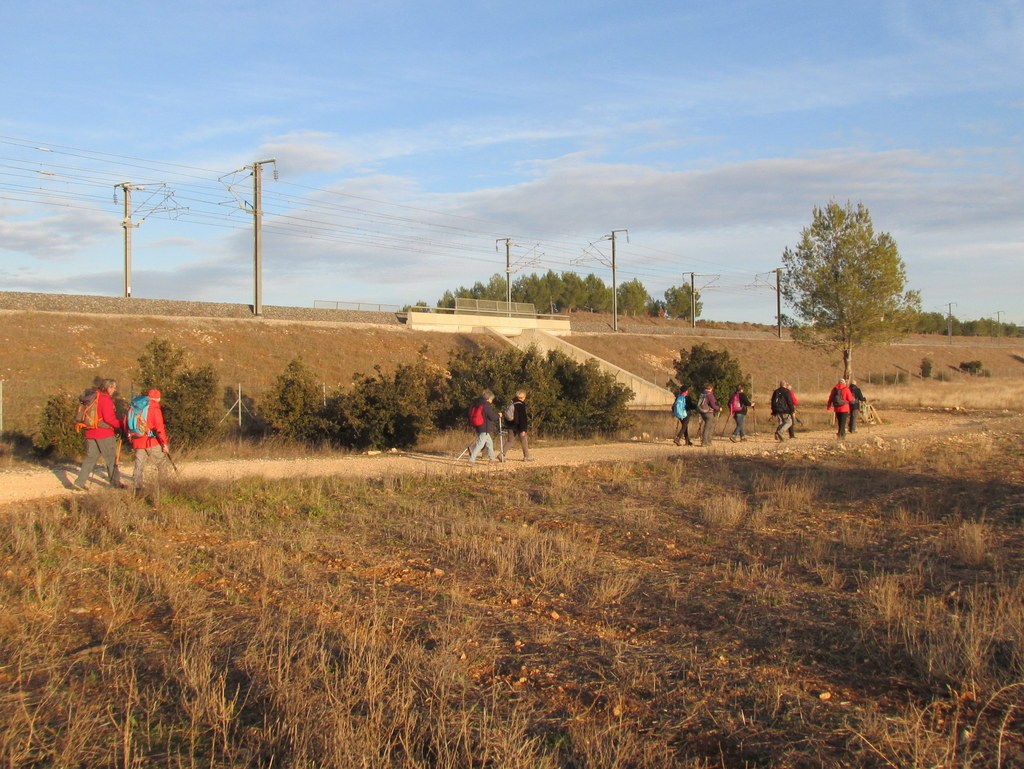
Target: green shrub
{"x":388,"y":412}
{"x":188,"y":393}
{"x":57,"y":435}
{"x":972,"y":367}
{"x":190,"y":407}
{"x":702,"y":365}
{"x":294,"y":405}
{"x":565,"y":397}
{"x":926,"y":368}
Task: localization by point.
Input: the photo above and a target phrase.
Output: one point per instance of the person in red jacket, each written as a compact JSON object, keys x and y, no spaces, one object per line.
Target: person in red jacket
{"x":151,"y":447}
{"x":839,"y":400}
{"x":100,"y":440}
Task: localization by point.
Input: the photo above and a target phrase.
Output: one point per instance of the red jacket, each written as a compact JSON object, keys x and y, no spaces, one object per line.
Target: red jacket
{"x":845,"y":394}
{"x":155,"y":423}
{"x":109,"y":423}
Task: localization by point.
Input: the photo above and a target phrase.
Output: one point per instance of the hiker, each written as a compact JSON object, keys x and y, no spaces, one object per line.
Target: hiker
{"x":796,"y":402}
{"x":483,"y":419}
{"x":738,"y":405}
{"x":100,"y":438}
{"x":855,"y":407}
{"x":839,"y":400}
{"x":152,"y":446}
{"x":708,"y":409}
{"x":783,"y":406}
{"x":518,"y":424}
{"x":682,"y":408}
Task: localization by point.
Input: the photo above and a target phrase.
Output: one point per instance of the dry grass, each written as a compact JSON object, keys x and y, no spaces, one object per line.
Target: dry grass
{"x":718,"y":612}
{"x":974,"y":393}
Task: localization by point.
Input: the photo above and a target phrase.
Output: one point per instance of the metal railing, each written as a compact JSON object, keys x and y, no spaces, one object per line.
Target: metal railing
{"x":323,"y":304}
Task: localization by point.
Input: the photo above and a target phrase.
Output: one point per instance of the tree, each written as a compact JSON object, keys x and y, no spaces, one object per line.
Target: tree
{"x":846,"y":283}
{"x":680,"y":301}
{"x":633,"y":298}
{"x":599,"y":296}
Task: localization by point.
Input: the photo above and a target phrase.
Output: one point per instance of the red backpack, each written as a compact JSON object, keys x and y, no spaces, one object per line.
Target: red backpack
{"x":476,"y":415}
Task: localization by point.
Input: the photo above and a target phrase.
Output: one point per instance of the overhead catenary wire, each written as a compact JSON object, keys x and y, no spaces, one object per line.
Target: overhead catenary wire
{"x":54,"y":175}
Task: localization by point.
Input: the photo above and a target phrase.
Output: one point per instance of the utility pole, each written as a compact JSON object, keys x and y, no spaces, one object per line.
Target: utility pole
{"x":778,"y":298}
{"x":257,"y":238}
{"x":126,"y":223}
{"x":508,"y":273}
{"x":949,"y":322}
{"x":999,"y":322}
{"x":693,"y":300}
{"x":615,"y":292}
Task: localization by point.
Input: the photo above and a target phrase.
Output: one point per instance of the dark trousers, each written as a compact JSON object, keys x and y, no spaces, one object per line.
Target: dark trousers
{"x":843,"y":418}
{"x":683,"y":433}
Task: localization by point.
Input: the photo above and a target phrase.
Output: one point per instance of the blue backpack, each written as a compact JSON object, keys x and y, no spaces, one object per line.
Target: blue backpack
{"x":679,"y":407}
{"x":137,"y":421}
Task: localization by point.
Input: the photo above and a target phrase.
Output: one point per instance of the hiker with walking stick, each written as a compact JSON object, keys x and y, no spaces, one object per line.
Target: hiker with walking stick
{"x":708,"y":409}
{"x":148,"y":434}
{"x":98,"y":417}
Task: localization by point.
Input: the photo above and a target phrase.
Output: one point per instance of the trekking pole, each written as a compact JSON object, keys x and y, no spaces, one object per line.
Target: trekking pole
{"x":176,"y":470}
{"x":163,"y":447}
{"x":725,"y":424}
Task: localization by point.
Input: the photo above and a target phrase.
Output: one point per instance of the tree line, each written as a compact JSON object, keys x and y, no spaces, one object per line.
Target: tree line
{"x":569,"y":292}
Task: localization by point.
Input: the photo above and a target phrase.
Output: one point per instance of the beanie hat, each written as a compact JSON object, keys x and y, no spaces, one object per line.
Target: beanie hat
{"x":154,"y":394}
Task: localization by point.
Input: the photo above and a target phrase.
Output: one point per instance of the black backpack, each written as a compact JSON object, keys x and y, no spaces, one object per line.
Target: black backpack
{"x":780,"y":403}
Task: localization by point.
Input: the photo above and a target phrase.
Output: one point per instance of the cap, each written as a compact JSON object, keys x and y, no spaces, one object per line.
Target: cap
{"x":154,"y":394}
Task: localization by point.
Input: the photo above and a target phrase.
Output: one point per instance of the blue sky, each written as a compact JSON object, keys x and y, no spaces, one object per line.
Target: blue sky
{"x":410,"y":137}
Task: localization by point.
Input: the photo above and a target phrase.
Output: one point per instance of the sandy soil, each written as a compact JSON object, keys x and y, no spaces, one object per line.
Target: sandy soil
{"x":55,"y":481}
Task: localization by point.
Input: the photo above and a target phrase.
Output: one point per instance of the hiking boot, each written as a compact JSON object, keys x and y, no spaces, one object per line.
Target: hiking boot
{"x":528,"y":459}
{"x":76,"y":487}
{"x":733,"y":438}
{"x":678,"y":442}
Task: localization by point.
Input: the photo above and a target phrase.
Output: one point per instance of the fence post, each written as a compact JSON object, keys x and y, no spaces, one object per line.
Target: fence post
{"x":1,"y":407}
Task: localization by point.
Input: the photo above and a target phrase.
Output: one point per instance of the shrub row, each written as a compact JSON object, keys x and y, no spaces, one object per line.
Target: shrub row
{"x":378,"y":410}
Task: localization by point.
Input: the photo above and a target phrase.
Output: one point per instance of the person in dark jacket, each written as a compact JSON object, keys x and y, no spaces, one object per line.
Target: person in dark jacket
{"x":783,"y":406}
{"x":858,"y":399}
{"x":738,"y":405}
{"x":101,"y":440}
{"x":519,"y":425}
{"x":708,"y":408}
{"x":483,"y":430}
{"x":682,"y":409}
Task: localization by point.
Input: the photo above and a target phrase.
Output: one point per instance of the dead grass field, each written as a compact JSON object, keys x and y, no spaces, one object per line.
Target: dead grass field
{"x":865,"y":609}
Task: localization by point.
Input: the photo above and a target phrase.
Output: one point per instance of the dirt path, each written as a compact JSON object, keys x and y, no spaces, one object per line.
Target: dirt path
{"x":54,"y":481}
